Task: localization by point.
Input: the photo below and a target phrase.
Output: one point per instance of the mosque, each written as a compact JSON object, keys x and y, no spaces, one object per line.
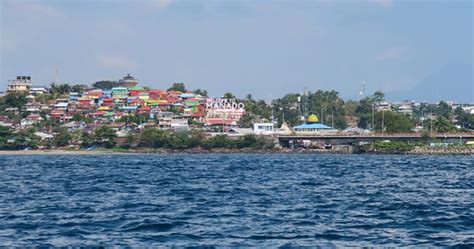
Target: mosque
{"x":312,"y":126}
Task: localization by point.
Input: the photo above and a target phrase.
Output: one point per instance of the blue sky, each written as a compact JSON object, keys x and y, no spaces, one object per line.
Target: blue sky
{"x":267,"y":48}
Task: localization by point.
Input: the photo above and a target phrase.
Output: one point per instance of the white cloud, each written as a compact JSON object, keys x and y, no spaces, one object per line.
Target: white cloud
{"x":390,"y":54}
{"x":116,"y":61}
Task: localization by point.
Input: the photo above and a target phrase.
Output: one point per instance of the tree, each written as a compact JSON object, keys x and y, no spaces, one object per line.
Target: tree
{"x":77,"y":88}
{"x":152,"y":138}
{"x":286,"y":109}
{"x":219,"y":141}
{"x":184,"y":139}
{"x":201,"y":92}
{"x":5,"y":134}
{"x":15,"y":99}
{"x":130,"y":140}
{"x":442,"y":124}
{"x":444,"y":109}
{"x":80,"y":117}
{"x":86,"y":139}
{"x":393,"y":122}
{"x":62,"y":138}
{"x":44,"y":98}
{"x":248,"y":141}
{"x":180,"y":87}
{"x":246,"y":120}
{"x":105,"y":84}
{"x":105,"y":135}
{"x":378,"y":96}
{"x":134,"y":118}
{"x":351,"y":107}
{"x":364,"y":112}
{"x":60,"y":89}
{"x":229,"y":95}
{"x":26,"y":139}
{"x":255,"y":110}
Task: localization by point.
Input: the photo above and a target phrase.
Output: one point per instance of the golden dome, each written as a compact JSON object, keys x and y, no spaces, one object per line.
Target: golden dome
{"x":313,"y":119}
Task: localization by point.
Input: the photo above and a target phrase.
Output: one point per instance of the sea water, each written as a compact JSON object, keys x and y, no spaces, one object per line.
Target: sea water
{"x":236,"y":200}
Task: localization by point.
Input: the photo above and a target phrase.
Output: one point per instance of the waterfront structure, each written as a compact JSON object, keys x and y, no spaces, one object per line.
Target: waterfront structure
{"x":312,"y":126}
{"x":263,"y":128}
{"x":21,"y":83}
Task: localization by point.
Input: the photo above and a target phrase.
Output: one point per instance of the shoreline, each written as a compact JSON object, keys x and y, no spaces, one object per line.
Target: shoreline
{"x":426,"y":151}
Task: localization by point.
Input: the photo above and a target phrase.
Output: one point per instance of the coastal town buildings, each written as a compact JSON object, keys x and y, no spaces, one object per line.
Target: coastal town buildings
{"x":128,"y":107}
{"x":21,"y":83}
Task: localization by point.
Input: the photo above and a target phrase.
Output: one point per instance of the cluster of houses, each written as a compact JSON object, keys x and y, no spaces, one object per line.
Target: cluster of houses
{"x":166,"y":109}
{"x":120,"y":105}
{"x":407,"y":106}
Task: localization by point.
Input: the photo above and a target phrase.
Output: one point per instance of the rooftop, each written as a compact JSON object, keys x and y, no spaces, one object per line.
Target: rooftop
{"x":312,"y":126}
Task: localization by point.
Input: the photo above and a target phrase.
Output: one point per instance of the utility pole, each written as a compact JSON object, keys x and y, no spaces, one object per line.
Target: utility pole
{"x":431,"y":124}
{"x":332,"y":117}
{"x":373,"y":117}
{"x":300,"y":112}
{"x":322,"y":115}
{"x":283,"y":113}
{"x":383,"y":120}
{"x":422,"y":118}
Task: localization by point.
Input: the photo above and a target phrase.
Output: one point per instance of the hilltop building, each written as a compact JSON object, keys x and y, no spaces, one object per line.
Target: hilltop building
{"x":38,"y":90}
{"x":383,"y":106}
{"x":128,"y":81}
{"x":21,"y":83}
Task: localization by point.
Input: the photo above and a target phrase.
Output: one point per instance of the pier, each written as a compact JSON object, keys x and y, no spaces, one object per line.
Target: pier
{"x":351,"y":139}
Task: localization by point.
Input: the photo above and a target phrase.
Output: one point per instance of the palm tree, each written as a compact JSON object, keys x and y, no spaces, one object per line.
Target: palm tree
{"x":441,"y":124}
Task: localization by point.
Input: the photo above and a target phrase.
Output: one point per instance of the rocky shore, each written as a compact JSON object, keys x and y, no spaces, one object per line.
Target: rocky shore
{"x":454,"y":150}
{"x":450,"y":150}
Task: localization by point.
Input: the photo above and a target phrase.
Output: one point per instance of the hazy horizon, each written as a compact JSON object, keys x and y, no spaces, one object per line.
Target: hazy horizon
{"x":416,"y":50}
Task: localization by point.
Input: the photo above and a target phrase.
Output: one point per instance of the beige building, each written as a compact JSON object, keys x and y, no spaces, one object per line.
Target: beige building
{"x":21,"y":83}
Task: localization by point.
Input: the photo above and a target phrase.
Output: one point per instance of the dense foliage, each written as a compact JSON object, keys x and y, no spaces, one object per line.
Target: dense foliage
{"x":157,"y":138}
{"x":105,"y":84}
{"x":180,"y":87}
{"x":393,"y":146}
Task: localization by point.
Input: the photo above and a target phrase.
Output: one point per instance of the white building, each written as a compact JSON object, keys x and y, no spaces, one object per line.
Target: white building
{"x":38,"y":90}
{"x":263,"y":128}
{"x":383,"y":106}
{"x":405,"y":109}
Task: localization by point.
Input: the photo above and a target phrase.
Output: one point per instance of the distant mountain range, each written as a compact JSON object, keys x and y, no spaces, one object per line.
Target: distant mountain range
{"x":452,"y":82}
